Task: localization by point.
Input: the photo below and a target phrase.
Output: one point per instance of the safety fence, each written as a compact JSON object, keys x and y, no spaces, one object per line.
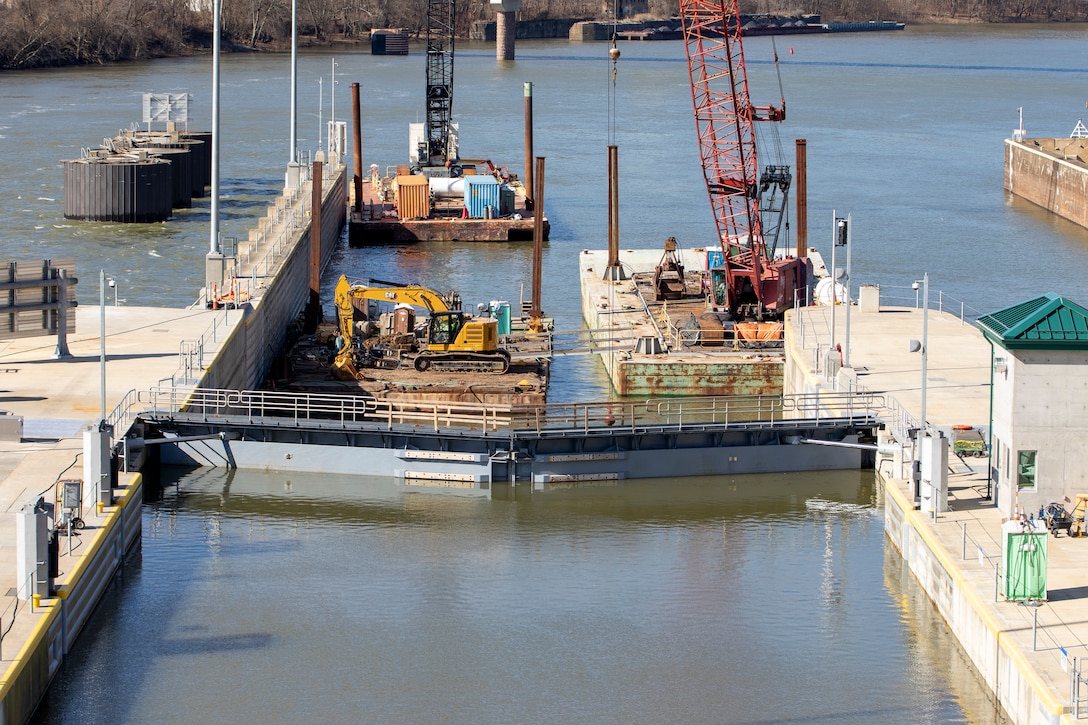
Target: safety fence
{"x":1051,"y":636}
{"x":347,"y":412}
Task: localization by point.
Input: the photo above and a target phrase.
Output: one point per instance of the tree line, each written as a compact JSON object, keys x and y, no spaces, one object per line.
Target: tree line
{"x":34,"y":33}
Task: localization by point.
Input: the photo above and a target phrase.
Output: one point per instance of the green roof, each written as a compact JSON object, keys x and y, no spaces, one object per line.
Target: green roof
{"x":1048,"y":322}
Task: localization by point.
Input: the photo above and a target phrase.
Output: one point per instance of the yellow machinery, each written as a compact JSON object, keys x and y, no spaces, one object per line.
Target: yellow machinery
{"x":454,"y":341}
{"x":1080,"y":508}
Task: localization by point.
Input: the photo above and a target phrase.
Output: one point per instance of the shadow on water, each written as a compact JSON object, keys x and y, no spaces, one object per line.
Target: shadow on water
{"x":215,"y":644}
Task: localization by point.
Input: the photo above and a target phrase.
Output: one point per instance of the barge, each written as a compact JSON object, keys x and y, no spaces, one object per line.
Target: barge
{"x":479,"y":203}
{"x":1050,"y":172}
{"x":681,"y":346}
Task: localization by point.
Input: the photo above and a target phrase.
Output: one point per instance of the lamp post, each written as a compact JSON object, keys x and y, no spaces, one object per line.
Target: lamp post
{"x":113,"y":285}
{"x":102,"y":338}
{"x":923,"y":346}
{"x":839,"y":235}
{"x":849,"y":235}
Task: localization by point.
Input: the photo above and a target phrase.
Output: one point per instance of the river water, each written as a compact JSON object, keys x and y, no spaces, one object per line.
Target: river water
{"x":261,"y":597}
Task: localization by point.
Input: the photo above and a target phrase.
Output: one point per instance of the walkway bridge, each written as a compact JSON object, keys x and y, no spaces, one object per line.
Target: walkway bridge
{"x":471,"y":445}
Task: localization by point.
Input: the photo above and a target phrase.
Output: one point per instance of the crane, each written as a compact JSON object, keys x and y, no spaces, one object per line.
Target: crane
{"x":436,"y":149}
{"x":751,"y":283}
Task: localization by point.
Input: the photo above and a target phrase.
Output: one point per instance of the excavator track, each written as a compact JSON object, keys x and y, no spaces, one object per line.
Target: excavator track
{"x":461,"y":362}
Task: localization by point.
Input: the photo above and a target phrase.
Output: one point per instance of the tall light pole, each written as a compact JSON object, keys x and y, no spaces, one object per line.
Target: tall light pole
{"x":840,"y":230}
{"x":294,"y":81}
{"x":102,"y":336}
{"x":214,"y":263}
{"x":332,"y":93}
{"x":849,"y":238}
{"x":923,"y":346}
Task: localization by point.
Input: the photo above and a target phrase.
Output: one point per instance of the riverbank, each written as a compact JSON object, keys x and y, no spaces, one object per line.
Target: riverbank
{"x":56,"y":46}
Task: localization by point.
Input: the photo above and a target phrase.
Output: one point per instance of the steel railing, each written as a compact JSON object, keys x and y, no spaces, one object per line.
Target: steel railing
{"x":339,"y":411}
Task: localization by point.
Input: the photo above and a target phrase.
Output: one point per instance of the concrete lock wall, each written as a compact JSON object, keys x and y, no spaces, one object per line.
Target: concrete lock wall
{"x":1000,"y":662}
{"x":244,"y":361}
{"x":1054,"y":179}
{"x":63,"y":617}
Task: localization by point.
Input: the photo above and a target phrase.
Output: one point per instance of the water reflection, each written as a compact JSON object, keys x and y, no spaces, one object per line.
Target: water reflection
{"x":731,"y":600}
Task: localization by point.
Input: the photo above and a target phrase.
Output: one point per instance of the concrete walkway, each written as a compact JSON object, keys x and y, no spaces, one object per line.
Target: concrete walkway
{"x":57,"y":399}
{"x":969,"y":535}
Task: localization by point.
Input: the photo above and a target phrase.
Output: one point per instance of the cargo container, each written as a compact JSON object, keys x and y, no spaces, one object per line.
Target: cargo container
{"x":481,"y":192}
{"x":413,"y":197}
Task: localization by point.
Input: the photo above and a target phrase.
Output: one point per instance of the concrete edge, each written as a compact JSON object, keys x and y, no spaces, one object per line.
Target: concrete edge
{"x":915,"y":519}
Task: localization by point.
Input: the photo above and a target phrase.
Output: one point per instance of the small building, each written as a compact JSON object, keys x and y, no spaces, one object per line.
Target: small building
{"x":1040,"y":403}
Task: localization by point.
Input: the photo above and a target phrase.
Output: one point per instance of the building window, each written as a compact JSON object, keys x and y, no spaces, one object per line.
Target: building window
{"x":1025,"y":469}
{"x":997,"y":460}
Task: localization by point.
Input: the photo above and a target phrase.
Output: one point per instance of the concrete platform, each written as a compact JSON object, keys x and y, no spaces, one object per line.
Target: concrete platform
{"x":955,"y":555}
{"x":56,"y":400}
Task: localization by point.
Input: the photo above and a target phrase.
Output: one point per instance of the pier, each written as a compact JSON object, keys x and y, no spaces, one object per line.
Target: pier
{"x":57,"y":403}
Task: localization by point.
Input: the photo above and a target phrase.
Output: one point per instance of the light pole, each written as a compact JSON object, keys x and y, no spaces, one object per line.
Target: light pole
{"x":113,"y":285}
{"x":923,"y":346}
{"x":839,"y":234}
{"x":102,"y":337}
{"x":848,"y":237}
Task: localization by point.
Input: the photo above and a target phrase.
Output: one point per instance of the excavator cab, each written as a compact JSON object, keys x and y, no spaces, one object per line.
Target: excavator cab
{"x":444,"y":327}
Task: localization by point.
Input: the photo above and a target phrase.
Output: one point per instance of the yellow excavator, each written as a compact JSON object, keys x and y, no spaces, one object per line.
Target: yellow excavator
{"x":455,"y":341}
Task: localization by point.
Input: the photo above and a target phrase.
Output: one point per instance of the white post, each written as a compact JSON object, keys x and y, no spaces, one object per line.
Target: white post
{"x":102,"y":335}
{"x":834,"y":282}
{"x":849,"y":238}
{"x":294,"y":81}
{"x":925,"y":343}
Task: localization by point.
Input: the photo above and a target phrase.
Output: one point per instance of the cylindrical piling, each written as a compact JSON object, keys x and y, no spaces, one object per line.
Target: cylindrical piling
{"x":129,"y":188}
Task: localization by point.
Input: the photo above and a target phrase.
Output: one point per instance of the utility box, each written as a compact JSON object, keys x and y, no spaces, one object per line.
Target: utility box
{"x":34,"y":524}
{"x":869,"y":298}
{"x":933,"y":472}
{"x":1023,"y":560}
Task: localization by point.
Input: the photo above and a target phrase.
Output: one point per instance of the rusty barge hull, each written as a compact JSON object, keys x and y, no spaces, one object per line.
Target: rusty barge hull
{"x":745,"y":376}
{"x":386,"y":231}
{"x":658,"y":361}
{"x":1052,"y":173}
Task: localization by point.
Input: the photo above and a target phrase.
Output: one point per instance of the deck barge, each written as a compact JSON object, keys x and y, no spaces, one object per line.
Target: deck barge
{"x":669,"y":347}
{"x":379,"y":218}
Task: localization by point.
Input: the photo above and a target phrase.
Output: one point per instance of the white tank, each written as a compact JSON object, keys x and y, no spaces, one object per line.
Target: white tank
{"x":444,"y":187}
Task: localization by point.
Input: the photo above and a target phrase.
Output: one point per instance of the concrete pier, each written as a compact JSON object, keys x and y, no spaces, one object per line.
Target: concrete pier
{"x":1028,"y":656}
{"x":54,"y":406}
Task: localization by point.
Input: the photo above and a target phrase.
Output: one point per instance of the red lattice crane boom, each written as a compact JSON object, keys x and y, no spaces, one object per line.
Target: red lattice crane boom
{"x":750,"y":283}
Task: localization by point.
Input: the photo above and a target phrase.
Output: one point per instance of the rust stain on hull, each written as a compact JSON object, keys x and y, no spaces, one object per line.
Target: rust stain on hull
{"x":387,"y":231}
{"x":755,"y":377}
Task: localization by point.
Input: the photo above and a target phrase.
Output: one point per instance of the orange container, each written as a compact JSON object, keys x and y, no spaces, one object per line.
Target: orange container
{"x":413,"y":198}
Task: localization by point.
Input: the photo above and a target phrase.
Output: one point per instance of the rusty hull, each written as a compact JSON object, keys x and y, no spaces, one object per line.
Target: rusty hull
{"x":671,"y":377}
{"x":395,"y":231}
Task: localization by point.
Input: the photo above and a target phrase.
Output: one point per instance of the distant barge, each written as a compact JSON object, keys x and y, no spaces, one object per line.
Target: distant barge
{"x":1050,"y":172}
{"x":485,"y":204}
{"x":751,"y":25}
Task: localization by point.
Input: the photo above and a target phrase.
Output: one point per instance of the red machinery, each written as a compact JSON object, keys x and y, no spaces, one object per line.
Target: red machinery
{"x":748,"y":206}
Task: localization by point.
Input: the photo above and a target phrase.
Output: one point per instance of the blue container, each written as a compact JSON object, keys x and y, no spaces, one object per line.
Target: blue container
{"x":500,"y":310}
{"x":481,"y":192}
